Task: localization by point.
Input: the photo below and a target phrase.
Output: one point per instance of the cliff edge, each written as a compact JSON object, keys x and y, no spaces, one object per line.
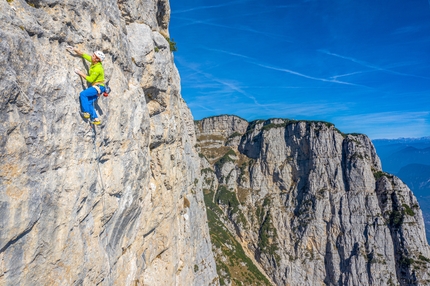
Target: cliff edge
{"x":309,"y":204}
{"x":118,"y":204}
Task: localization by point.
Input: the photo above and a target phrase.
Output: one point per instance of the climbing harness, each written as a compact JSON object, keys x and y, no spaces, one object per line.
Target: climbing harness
{"x":99,"y":92}
{"x":97,"y":87}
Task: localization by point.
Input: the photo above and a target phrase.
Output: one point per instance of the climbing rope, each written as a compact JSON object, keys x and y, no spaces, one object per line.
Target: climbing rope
{"x":103,"y":189}
{"x":96,"y":151}
{"x":102,"y":193}
{"x":98,"y":159}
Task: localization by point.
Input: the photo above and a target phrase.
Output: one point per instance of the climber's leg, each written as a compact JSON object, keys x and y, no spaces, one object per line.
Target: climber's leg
{"x":87,"y":98}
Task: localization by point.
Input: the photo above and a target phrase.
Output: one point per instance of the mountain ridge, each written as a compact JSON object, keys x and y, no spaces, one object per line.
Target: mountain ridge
{"x":276,"y":179}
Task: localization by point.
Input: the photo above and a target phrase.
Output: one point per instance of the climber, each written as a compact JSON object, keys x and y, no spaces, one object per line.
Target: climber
{"x":96,"y":78}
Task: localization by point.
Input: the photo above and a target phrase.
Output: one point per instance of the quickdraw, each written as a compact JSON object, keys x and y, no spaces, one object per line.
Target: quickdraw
{"x":105,"y":93}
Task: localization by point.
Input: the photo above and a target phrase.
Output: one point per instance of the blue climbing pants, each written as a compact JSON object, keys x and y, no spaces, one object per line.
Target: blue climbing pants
{"x":88,"y":97}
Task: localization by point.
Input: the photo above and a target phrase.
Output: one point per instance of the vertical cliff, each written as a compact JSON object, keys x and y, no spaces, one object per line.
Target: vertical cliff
{"x":309,"y":204}
{"x":120,"y":203}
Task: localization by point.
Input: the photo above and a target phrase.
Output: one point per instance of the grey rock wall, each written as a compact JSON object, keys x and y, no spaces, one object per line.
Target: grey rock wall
{"x":313,"y":206}
{"x":118,"y":204}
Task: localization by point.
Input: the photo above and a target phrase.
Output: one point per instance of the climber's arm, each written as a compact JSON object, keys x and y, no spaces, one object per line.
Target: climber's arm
{"x":80,"y":53}
{"x":76,"y":50}
{"x":81,"y":74}
{"x":92,"y":77}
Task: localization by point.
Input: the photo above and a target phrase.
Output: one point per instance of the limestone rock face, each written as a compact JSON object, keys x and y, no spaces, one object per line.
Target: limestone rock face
{"x":311,"y":205}
{"x":118,"y":204}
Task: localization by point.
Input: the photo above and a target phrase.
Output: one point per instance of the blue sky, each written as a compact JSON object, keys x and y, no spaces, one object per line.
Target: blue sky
{"x":362,"y":65}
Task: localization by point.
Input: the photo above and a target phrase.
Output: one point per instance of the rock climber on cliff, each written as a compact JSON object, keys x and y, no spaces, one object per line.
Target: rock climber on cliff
{"x":96,"y":79}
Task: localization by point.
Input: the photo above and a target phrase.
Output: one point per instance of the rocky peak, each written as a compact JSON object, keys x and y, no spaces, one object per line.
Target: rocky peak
{"x":295,"y":193}
{"x":223,"y":125}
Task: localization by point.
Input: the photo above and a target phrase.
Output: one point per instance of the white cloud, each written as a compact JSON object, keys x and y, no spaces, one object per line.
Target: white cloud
{"x":241,"y":28}
{"x":386,"y":124}
{"x":209,"y":7}
{"x":226,"y":52}
{"x":371,"y":66}
{"x":304,"y":75}
{"x":225,"y":85}
{"x":254,"y":62}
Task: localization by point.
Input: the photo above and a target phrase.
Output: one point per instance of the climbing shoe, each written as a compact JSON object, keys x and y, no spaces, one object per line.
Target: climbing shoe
{"x":96,"y":122}
{"x":85,"y":115}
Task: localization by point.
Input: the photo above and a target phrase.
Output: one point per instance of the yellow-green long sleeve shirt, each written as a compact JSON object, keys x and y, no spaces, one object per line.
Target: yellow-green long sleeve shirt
{"x":96,"y":72}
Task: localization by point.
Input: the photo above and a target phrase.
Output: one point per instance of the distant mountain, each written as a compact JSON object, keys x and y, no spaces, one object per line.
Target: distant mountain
{"x":410,"y":141}
{"x":397,"y":153}
{"x":409,"y":159}
{"x":417,"y":177}
{"x":409,"y":155}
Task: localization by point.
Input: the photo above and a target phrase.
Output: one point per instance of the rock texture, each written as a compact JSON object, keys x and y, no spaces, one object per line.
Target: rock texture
{"x":289,"y":202}
{"x":309,"y":204}
{"x":119,"y":204}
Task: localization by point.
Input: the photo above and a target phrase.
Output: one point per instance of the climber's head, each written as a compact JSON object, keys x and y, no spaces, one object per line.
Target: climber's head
{"x":98,"y":56}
